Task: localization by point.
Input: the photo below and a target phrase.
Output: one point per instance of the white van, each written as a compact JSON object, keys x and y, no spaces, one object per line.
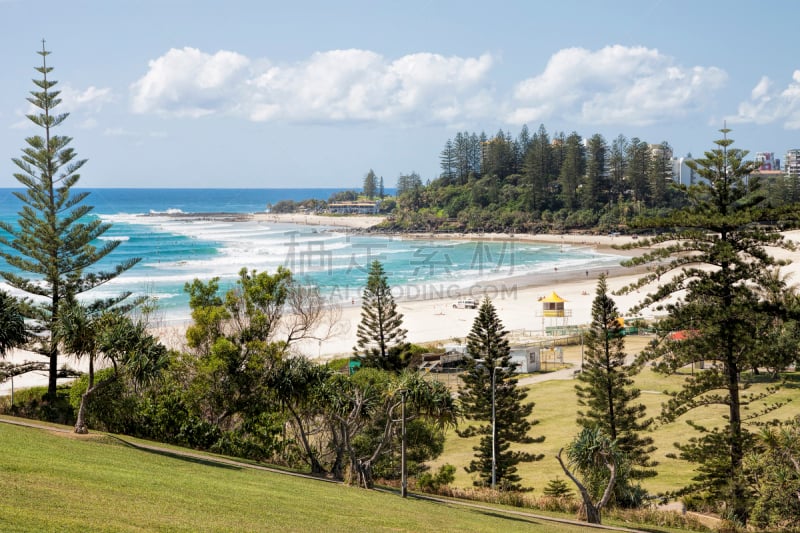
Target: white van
{"x":465,"y":303}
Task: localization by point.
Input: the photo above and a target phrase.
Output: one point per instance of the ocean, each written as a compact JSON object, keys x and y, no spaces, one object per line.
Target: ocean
{"x":176,"y":250}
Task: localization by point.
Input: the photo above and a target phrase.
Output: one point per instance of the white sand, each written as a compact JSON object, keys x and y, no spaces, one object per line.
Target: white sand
{"x":435,"y":320}
{"x":349,"y":221}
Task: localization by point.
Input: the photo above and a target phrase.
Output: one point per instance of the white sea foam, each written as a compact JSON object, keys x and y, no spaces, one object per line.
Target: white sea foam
{"x":170,"y":211}
{"x":337,"y":261}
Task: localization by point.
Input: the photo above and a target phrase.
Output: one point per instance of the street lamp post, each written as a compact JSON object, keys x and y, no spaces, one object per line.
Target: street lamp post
{"x":494,"y":431}
{"x":493,"y":370}
{"x":403,"y":473}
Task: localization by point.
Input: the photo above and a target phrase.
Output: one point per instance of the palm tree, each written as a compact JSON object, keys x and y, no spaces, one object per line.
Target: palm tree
{"x":77,"y":330}
{"x":115,"y":337}
{"x":12,"y":324}
{"x":12,"y":335}
{"x":591,"y":454}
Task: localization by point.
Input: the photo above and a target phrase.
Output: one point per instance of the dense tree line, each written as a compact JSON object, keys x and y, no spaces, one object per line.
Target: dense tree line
{"x":538,"y":182}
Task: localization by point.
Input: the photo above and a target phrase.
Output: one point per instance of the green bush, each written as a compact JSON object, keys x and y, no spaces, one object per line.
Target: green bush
{"x":31,"y":403}
{"x":109,"y":408}
{"x":428,"y":482}
{"x":557,"y":488}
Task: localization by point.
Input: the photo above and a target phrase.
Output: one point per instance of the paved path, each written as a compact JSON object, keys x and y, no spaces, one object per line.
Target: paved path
{"x":564,"y":373}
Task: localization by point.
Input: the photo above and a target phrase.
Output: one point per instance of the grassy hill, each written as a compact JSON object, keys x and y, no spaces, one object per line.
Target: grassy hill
{"x":556,"y":407}
{"x":56,"y":481}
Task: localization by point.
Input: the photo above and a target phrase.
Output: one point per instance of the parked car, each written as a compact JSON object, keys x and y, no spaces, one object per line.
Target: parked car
{"x":465,"y":303}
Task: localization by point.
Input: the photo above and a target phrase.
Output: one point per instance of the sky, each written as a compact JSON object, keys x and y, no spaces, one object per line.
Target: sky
{"x":270,"y":94}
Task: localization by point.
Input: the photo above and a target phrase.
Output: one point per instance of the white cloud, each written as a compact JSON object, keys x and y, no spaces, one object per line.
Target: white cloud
{"x":767,"y":105}
{"x":189,"y":82}
{"x":761,"y":90}
{"x":331,"y":86}
{"x":122,"y":132}
{"x":616,"y":84}
{"x":84,"y":104}
{"x":118,"y":132}
{"x":87,"y":101}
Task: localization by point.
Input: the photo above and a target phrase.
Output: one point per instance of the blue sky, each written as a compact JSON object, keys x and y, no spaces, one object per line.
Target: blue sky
{"x":176,"y":93}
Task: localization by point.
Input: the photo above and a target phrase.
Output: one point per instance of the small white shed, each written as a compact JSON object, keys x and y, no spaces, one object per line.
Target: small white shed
{"x":526,"y":359}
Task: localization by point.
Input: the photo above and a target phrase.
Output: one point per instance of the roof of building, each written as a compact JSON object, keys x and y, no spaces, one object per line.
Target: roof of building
{"x":553,"y":298}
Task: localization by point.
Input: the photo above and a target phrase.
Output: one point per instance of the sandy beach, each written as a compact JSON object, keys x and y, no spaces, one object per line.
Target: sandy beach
{"x":342,"y":221}
{"x":429,"y":315}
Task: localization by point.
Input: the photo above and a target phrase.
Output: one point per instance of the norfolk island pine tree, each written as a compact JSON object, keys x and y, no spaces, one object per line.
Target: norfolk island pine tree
{"x":488,"y":353}
{"x":606,"y":394}
{"x":52,"y":241}
{"x":716,"y":252}
{"x":381,"y":339}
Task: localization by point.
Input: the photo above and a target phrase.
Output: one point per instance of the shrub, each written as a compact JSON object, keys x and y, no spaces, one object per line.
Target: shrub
{"x":428,"y":482}
{"x":31,"y":403}
{"x":557,"y":488}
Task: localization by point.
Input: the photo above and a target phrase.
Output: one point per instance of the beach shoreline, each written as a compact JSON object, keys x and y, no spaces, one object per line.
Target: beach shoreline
{"x":430,"y":316}
{"x":600,"y":243}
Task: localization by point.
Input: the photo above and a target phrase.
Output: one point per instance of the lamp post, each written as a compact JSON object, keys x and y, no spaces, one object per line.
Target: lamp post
{"x":493,"y":370}
{"x":494,"y":431}
{"x":403,"y":473}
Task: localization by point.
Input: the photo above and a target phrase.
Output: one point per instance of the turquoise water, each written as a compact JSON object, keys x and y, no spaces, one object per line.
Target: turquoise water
{"x":177,"y":250}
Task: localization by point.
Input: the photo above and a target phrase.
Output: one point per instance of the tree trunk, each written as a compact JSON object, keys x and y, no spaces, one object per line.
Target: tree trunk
{"x":316,"y":467}
{"x":52,"y":384}
{"x":362,"y":472}
{"x":738,"y":492}
{"x":337,"y":468}
{"x":80,"y":423}
{"x":588,"y":510}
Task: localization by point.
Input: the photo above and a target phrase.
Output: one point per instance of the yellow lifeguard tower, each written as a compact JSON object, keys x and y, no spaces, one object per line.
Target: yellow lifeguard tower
{"x":555,"y":319}
{"x":553,"y":308}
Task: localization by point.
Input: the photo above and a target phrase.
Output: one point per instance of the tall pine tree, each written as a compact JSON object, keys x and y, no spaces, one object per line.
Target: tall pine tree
{"x":53,"y":240}
{"x":717,"y":251}
{"x":605,"y":390}
{"x":370,"y":184}
{"x":488,"y":361}
{"x":380,"y":335}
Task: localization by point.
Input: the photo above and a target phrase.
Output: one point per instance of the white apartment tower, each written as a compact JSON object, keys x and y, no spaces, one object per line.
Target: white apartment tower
{"x":792,"y":162}
{"x":682,"y":174}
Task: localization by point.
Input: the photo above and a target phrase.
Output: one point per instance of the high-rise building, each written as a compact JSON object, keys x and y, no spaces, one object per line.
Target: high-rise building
{"x":792,"y":162}
{"x":681,"y":172}
{"x":767,"y":161}
{"x":660,"y":150}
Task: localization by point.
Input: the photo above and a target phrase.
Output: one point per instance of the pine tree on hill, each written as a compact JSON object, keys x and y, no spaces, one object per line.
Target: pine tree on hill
{"x":380,"y":335}
{"x":717,"y":252}
{"x":605,"y":390}
{"x":53,"y":242}
{"x":370,"y":184}
{"x":488,"y":361}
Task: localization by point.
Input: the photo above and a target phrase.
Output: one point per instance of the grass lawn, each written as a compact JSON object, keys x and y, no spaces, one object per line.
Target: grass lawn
{"x":61,"y":482}
{"x":556,"y":406}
